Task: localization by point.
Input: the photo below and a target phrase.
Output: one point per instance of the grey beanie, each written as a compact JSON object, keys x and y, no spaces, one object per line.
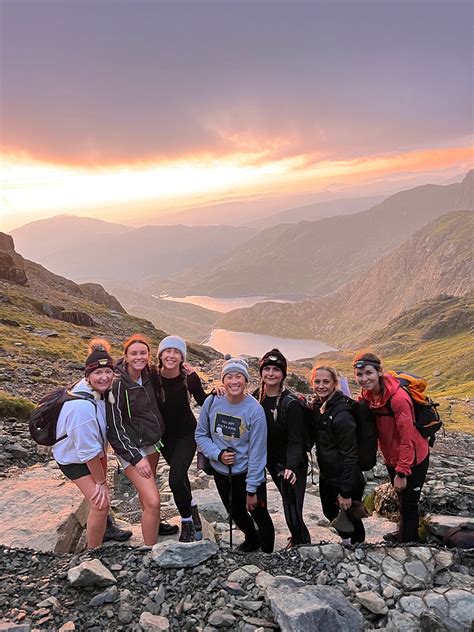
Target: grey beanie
{"x":235,"y":365}
{"x":173,"y":342}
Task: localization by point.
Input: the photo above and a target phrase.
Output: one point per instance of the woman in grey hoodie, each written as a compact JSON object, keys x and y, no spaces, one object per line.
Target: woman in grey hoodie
{"x":232,"y":434}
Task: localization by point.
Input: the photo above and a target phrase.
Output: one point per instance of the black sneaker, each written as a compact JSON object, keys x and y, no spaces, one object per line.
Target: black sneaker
{"x":187,"y":531}
{"x":112,"y":532}
{"x":248,"y":547}
{"x":167,"y":529}
{"x":196,"y":518}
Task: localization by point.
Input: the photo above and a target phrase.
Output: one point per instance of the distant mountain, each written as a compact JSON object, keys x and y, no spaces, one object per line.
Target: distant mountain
{"x":48,"y":241}
{"x":90,"y":250}
{"x":46,"y":321}
{"x":436,"y":260}
{"x":318,"y":210}
{"x":315,"y":258}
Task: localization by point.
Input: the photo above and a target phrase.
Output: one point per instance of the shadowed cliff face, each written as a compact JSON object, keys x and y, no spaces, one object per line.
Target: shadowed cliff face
{"x":315,"y":258}
{"x":437,"y":260}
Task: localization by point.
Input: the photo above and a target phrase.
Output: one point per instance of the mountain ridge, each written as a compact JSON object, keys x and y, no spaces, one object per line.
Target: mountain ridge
{"x":436,"y":260}
{"x":331,"y":251}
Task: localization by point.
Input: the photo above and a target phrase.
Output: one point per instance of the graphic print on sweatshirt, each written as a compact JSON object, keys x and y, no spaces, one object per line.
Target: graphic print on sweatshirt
{"x":229,"y":426}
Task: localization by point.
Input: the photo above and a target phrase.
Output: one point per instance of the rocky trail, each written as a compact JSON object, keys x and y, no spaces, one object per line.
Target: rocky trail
{"x":48,"y":582}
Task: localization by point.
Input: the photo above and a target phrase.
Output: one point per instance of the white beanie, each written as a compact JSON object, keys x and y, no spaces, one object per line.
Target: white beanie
{"x":173,"y":342}
{"x":235,"y":365}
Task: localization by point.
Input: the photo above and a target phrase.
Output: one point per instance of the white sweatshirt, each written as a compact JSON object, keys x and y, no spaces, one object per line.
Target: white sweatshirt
{"x":85,"y":426}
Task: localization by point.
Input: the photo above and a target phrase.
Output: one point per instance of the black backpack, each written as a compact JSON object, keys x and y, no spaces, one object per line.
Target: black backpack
{"x":307,"y":414}
{"x":366,"y":432}
{"x":44,"y":418}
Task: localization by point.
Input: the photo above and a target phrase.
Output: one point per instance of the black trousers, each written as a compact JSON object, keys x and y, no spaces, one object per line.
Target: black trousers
{"x":328,"y":494}
{"x":179,"y":452}
{"x":242,"y":518}
{"x":293,"y":500}
{"x":409,"y":499}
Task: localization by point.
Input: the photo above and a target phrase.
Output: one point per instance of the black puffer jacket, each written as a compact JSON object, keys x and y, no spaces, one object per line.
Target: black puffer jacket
{"x":136,"y":421}
{"x":336,"y":444}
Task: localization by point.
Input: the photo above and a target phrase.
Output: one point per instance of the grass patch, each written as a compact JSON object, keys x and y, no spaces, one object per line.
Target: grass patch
{"x":10,"y":406}
{"x":369,"y":502}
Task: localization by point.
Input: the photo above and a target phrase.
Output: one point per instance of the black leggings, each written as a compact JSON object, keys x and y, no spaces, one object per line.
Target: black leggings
{"x":179,"y":452}
{"x":242,"y":518}
{"x":409,"y":499}
{"x":328,"y":494}
{"x":293,"y":499}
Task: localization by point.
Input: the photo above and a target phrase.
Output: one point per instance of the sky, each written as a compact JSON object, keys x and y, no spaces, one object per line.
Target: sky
{"x":110,"y":108}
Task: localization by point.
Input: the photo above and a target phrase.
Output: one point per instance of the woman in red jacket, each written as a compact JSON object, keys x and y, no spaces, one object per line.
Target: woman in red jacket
{"x":405,"y":451}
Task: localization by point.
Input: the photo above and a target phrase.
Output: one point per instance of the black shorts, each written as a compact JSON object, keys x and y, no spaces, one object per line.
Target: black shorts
{"x":75,"y":470}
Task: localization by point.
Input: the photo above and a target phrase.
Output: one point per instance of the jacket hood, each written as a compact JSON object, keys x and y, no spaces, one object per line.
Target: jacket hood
{"x":391,"y":386}
{"x":339,"y":400}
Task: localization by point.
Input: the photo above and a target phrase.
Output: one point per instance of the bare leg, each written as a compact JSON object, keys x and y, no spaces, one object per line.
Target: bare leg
{"x":97,"y":519}
{"x":150,"y":502}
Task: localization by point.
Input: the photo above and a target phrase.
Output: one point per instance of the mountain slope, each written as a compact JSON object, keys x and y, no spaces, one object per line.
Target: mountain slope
{"x":46,"y":321}
{"x":437,"y":260}
{"x":315,"y":211}
{"x":315,"y":258}
{"x":76,"y":248}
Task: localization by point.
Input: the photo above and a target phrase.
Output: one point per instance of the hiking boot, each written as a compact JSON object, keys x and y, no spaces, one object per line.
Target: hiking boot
{"x":112,"y":532}
{"x":197,"y":522}
{"x":167,"y":529}
{"x":187,"y":531}
{"x":393,"y":537}
{"x":248,"y":546}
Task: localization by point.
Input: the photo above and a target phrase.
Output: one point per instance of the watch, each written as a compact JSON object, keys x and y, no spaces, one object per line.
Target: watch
{"x":400,"y":475}
{"x":251,"y":494}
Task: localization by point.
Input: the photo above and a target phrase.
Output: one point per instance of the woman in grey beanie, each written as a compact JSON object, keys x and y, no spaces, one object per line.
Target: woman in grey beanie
{"x":179,"y":382}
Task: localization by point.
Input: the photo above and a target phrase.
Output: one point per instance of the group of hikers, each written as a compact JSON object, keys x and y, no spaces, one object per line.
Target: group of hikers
{"x":142,"y":408}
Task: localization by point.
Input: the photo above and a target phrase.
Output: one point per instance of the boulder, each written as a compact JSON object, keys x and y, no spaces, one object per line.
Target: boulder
{"x":9,"y":270}
{"x":41,"y":510}
{"x":6,"y":242}
{"x":439,"y":524}
{"x":183,"y":554}
{"x":300,"y":607}
{"x":90,"y":573}
{"x":96,"y":293}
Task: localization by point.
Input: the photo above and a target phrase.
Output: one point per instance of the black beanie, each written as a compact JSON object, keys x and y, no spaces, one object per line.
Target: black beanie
{"x":274,"y":358}
{"x":99,"y":358}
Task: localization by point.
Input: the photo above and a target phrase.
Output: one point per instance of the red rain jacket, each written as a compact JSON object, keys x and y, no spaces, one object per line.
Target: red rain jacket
{"x":401,"y":444}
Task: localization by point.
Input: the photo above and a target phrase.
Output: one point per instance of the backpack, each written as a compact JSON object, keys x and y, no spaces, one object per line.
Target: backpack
{"x":427,"y":419}
{"x":44,"y":418}
{"x":366,"y":432}
{"x":309,"y":436}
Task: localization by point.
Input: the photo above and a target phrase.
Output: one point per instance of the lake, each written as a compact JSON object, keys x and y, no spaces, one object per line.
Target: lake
{"x":238,"y":343}
{"x":223,"y":305}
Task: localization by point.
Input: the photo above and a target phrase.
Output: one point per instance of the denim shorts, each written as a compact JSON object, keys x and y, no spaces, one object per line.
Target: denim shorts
{"x":144,"y":451}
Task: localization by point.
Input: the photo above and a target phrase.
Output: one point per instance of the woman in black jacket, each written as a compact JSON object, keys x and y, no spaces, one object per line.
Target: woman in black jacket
{"x":340,"y":478}
{"x":286,"y":451}
{"x":136,"y":428}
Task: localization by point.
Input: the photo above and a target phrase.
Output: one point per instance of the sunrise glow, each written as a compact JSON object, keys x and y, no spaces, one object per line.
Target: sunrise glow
{"x":30,"y":187}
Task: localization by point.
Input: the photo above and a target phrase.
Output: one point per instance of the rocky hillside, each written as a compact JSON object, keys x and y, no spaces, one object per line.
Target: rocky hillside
{"x":46,"y":321}
{"x":437,"y":260}
{"x":315,"y":258}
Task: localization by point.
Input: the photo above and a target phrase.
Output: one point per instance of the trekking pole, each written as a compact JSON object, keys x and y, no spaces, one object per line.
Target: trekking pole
{"x":230,"y":506}
{"x":230,"y":499}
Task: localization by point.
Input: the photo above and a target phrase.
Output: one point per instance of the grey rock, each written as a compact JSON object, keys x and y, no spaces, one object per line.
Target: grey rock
{"x":222,"y":619}
{"x":6,"y":626}
{"x":90,"y":573}
{"x":372,"y":602}
{"x":153,"y":623}
{"x":124,"y":615}
{"x":401,"y":622}
{"x":183,"y":554}
{"x":435,"y":622}
{"x":299,"y":607}
{"x":107,"y":596}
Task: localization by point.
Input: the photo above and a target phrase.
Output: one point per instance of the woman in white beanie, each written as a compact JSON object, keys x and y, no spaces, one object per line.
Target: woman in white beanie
{"x":178,"y":383}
